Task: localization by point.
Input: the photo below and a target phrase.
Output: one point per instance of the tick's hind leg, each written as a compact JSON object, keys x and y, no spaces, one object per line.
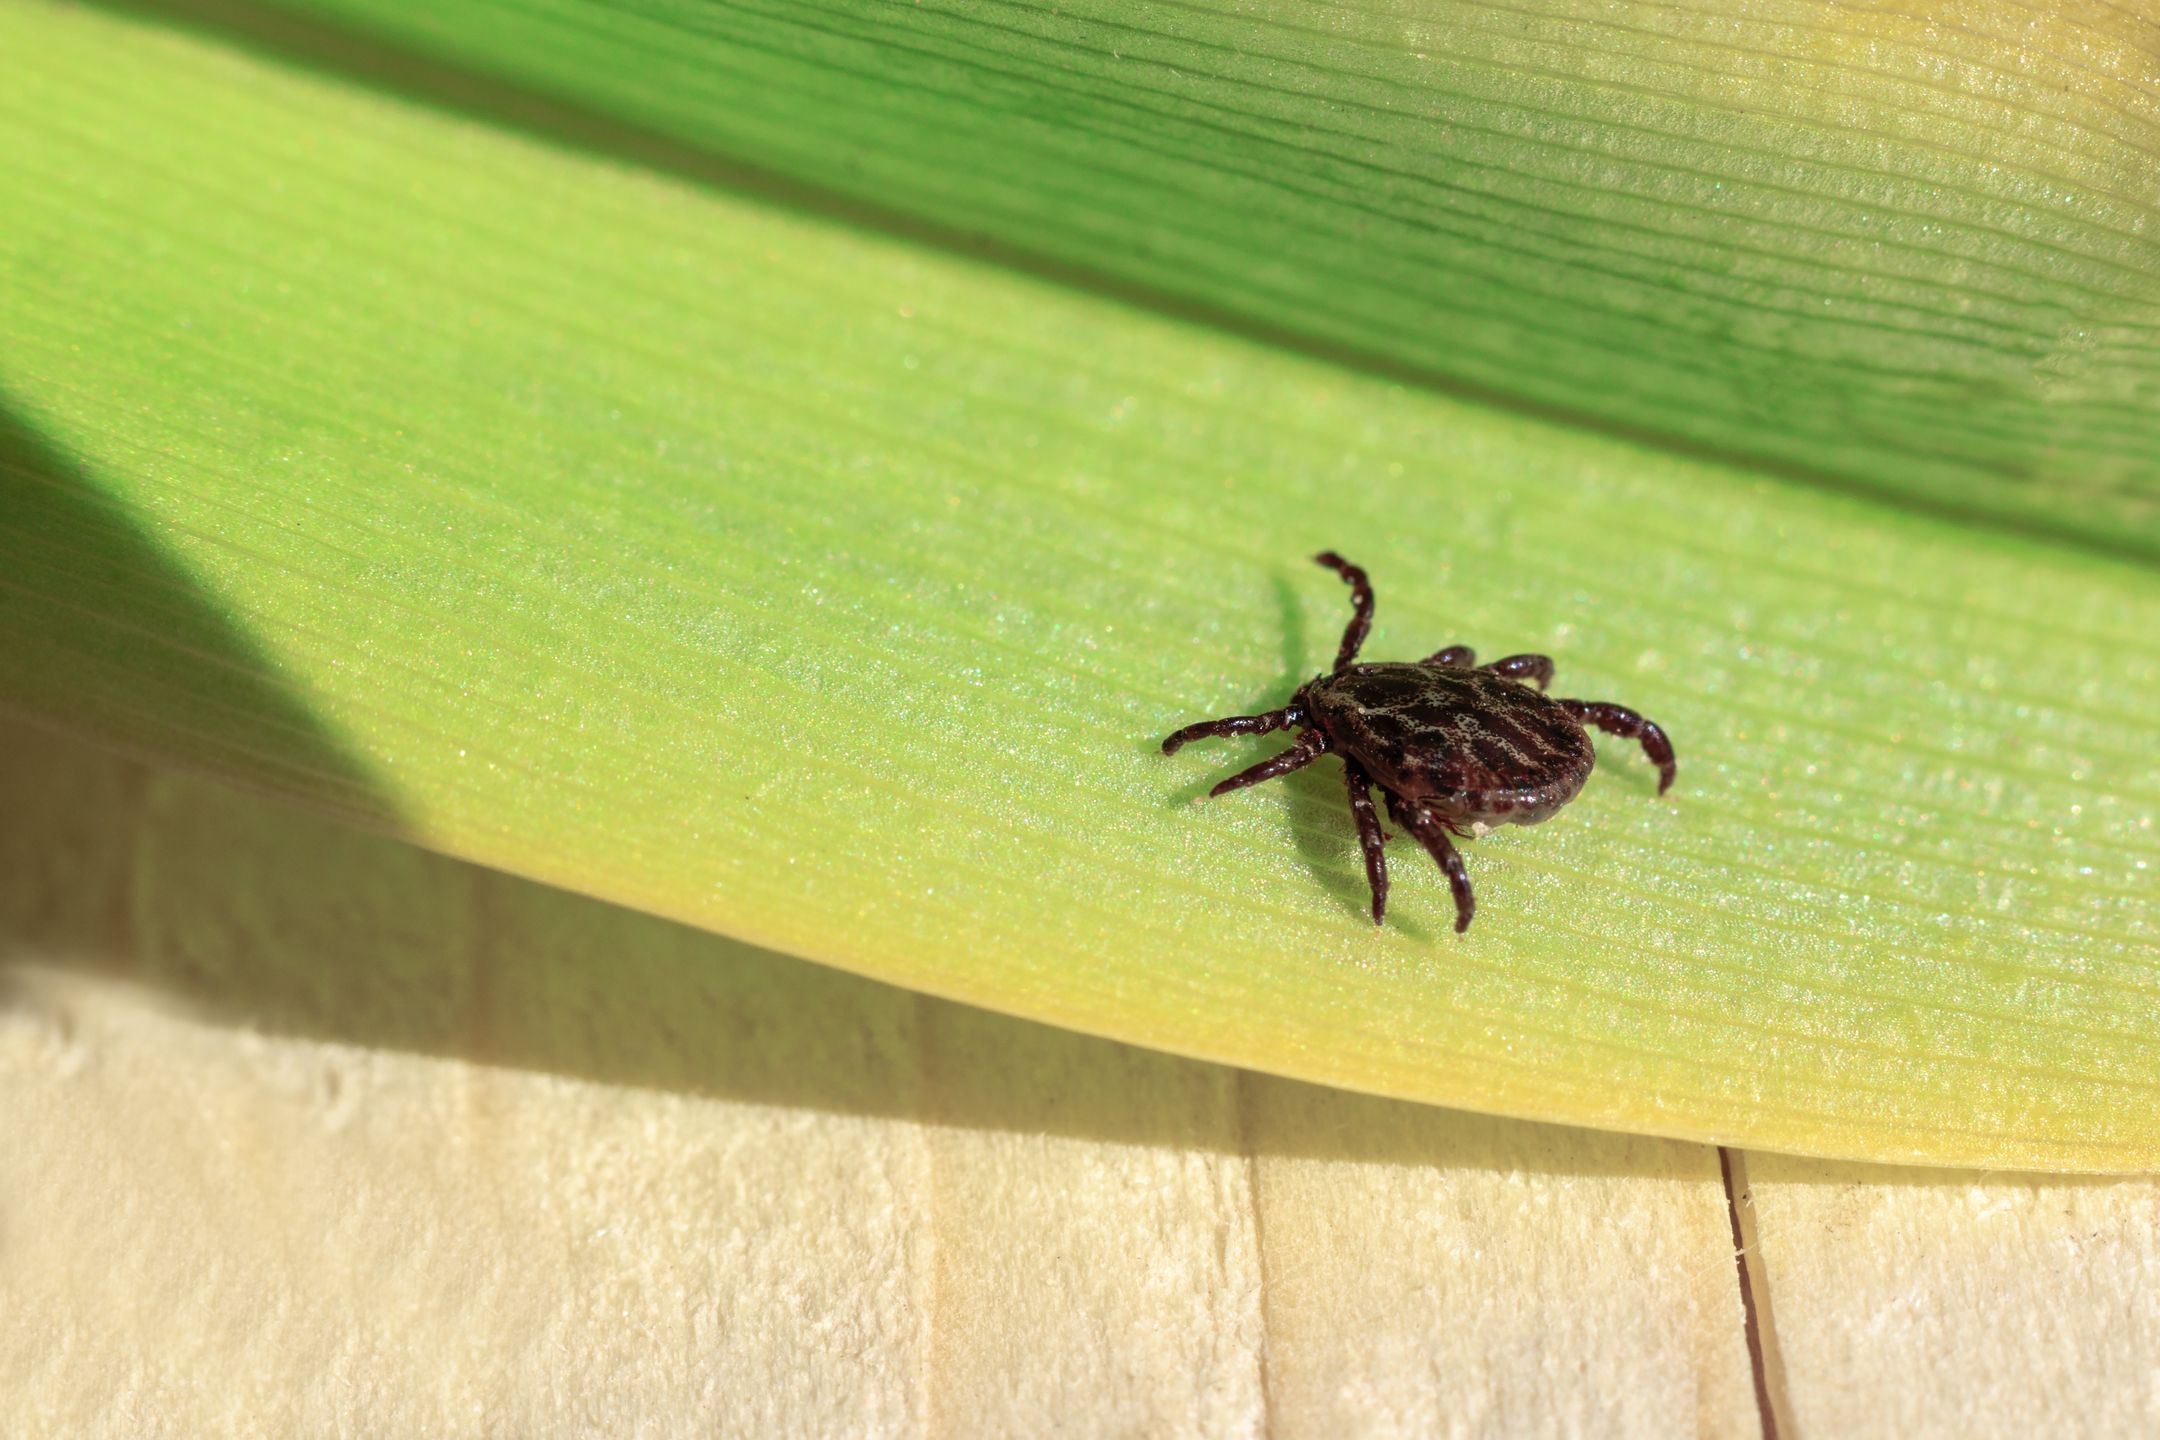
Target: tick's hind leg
{"x":1455,"y":657}
{"x":1432,"y":834}
{"x":1369,"y":837}
{"x":1361,"y":603}
{"x":1310,"y":747}
{"x":1281,"y":719}
{"x":1525,"y":667}
{"x":1619,"y":720}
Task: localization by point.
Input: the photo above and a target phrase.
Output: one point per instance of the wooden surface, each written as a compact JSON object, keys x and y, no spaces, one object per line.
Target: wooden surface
{"x":307,"y":1131}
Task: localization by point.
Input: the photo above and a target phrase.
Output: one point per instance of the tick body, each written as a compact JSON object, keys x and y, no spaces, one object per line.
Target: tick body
{"x":1450,"y":744}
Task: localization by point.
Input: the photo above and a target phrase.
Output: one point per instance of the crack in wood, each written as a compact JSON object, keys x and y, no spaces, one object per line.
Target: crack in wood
{"x":1764,"y":1361}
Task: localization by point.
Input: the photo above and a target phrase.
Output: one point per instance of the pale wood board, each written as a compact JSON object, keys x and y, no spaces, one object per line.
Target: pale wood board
{"x":1941,"y":1302}
{"x":307,"y":1131}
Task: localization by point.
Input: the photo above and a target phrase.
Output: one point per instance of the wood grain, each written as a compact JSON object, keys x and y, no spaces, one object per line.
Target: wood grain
{"x":1946,"y":1302}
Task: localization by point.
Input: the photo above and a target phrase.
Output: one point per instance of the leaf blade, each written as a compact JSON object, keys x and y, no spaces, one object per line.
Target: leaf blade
{"x":1868,"y":250}
{"x":831,"y":592}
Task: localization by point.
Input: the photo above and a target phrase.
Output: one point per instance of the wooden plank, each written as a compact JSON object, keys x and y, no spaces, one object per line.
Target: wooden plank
{"x":1432,"y":1272}
{"x":1955,"y":1303}
{"x":308,"y":1130}
{"x":1096,"y":1264}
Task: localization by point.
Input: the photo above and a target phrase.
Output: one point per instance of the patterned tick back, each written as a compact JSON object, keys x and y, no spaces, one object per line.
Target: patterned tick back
{"x":1471,"y":745}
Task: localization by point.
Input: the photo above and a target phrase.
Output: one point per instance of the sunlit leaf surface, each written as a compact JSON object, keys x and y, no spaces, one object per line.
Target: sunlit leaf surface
{"x":823,"y":588}
{"x":1908,"y":252}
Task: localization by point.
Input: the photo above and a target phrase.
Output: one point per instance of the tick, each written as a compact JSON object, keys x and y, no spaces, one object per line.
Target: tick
{"x":1449,"y":743}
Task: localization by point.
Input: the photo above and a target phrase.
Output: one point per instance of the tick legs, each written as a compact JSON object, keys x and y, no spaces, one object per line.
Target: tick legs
{"x":1361,"y":603}
{"x":1619,"y":720}
{"x":1368,"y":834}
{"x":1281,"y":719}
{"x":1432,"y":834}
{"x":1310,"y":746}
{"x":1515,"y":667}
{"x":1525,"y":667}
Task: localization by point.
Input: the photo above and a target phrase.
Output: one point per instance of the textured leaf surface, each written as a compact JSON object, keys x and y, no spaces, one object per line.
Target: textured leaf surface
{"x":1910,"y":253}
{"x":831,"y":592}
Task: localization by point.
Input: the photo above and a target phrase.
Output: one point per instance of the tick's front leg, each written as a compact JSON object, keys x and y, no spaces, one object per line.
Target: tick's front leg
{"x":1282,"y":719}
{"x":1361,"y":603}
{"x":1310,"y":747}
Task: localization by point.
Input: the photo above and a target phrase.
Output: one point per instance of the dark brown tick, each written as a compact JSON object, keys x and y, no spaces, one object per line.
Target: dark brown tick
{"x":1450,"y":743}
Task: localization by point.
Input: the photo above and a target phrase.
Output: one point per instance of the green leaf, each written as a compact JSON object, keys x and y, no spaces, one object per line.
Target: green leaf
{"x":830,"y":590}
{"x":1856,"y":246}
